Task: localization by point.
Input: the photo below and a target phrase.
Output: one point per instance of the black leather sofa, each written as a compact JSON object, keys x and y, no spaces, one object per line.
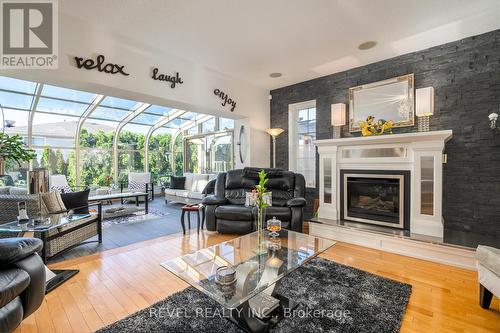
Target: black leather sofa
{"x":226,"y":211}
{"x":22,"y":280}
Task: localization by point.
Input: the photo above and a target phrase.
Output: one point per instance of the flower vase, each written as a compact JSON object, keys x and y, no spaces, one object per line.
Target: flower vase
{"x":260,"y":234}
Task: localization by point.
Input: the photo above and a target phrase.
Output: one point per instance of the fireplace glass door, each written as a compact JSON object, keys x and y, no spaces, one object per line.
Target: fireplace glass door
{"x":376,"y":199}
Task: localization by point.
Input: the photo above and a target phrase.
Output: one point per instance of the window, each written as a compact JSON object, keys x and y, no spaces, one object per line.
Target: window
{"x":302,"y":129}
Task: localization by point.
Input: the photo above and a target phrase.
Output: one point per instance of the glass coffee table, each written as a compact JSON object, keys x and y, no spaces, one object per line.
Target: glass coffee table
{"x":259,"y":262}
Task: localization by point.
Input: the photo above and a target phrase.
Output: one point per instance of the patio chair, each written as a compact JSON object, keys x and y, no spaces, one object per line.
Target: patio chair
{"x":138,"y":181}
{"x":59,"y":183}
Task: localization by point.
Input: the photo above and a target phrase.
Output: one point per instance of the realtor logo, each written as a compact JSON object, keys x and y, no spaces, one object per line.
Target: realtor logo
{"x":29,"y":34}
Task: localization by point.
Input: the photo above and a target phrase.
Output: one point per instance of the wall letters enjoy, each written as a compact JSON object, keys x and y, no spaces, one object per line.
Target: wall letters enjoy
{"x":225,"y":99}
{"x":100,"y":66}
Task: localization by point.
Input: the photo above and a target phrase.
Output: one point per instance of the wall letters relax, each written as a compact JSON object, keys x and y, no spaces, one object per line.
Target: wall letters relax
{"x":225,"y":99}
{"x":100,"y":66}
{"x":164,"y":77}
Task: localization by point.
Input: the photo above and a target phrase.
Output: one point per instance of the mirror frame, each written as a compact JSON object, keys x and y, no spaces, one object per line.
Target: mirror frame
{"x":409,"y":121}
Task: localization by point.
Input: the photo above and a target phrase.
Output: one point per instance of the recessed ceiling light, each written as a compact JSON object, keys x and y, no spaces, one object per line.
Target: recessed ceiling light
{"x":275,"y":75}
{"x":367,"y":45}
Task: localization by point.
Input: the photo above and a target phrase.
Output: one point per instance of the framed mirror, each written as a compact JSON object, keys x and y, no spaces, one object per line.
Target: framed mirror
{"x":390,"y":99}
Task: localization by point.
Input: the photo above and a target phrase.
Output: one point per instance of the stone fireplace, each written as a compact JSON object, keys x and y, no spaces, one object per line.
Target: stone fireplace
{"x":376,"y":197}
{"x":390,"y":180}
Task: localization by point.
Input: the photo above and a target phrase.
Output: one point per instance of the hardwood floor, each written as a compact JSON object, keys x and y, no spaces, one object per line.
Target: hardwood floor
{"x":118,"y":282}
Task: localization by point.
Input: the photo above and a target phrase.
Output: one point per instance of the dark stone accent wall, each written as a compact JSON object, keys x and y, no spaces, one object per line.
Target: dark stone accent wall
{"x":466,"y":77}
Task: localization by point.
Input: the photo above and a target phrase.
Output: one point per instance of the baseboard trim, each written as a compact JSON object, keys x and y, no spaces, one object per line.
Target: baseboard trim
{"x":440,"y":253}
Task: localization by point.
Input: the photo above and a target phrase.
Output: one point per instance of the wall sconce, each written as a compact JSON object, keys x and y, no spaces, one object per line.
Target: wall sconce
{"x":274,"y":132}
{"x":424,"y":107}
{"x":338,"y":119}
{"x":493,"y":117}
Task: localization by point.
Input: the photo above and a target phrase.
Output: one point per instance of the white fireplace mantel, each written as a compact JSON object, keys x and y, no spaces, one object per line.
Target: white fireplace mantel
{"x":440,"y":136}
{"x":414,"y":152}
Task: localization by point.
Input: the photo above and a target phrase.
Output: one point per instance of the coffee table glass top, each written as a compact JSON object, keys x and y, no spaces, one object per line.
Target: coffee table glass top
{"x":50,"y":222}
{"x":116,"y":195}
{"x":257,"y":267}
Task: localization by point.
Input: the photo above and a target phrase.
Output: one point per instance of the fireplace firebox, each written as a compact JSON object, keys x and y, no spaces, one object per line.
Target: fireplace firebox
{"x":376,"y":197}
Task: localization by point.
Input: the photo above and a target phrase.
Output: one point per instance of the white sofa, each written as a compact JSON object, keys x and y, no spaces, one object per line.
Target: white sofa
{"x":193,"y":188}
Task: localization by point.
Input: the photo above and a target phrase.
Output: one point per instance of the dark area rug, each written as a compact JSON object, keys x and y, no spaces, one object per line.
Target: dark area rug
{"x":332,"y":298}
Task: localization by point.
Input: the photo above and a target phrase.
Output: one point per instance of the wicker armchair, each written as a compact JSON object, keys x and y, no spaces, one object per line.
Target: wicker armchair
{"x":55,"y":240}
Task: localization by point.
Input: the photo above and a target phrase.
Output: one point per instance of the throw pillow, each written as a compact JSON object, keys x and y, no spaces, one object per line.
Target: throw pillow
{"x":136,"y":186}
{"x":53,"y":202}
{"x":79,"y":200}
{"x":177,"y":183}
{"x":61,"y":189}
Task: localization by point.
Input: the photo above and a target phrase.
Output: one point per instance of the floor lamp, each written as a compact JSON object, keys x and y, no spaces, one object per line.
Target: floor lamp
{"x":274,"y":132}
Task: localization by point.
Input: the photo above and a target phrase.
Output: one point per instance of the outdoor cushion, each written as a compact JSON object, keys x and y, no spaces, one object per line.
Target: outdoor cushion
{"x":76,"y":200}
{"x":177,"y":183}
{"x":195,"y":195}
{"x":139,"y":177}
{"x":59,"y":183}
{"x":18,"y":191}
{"x":53,"y":202}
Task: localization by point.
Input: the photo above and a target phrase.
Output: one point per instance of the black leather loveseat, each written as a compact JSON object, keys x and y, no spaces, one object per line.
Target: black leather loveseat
{"x":226,"y":211}
{"x":22,"y":280}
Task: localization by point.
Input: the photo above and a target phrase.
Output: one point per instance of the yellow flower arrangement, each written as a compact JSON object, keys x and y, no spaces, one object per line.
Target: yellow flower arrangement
{"x":370,"y":127}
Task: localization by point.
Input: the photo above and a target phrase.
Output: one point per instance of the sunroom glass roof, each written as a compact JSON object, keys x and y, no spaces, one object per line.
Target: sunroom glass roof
{"x":22,"y":86}
{"x":68,"y":94}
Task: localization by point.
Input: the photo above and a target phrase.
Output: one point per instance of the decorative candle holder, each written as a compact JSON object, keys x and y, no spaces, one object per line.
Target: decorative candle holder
{"x":225,"y":275}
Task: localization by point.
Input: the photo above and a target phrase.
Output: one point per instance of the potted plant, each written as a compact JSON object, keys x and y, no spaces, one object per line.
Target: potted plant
{"x":12,"y":148}
{"x":261,"y":204}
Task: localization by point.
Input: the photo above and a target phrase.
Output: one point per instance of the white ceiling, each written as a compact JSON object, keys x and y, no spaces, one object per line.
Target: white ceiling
{"x":303,"y":39}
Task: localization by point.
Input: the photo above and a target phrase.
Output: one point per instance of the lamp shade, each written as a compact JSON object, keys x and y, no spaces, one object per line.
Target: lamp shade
{"x":338,"y":114}
{"x":424,"y":102}
{"x":274,"y":131}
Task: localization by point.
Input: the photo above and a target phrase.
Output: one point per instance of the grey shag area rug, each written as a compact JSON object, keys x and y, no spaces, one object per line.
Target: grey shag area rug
{"x":332,"y":298}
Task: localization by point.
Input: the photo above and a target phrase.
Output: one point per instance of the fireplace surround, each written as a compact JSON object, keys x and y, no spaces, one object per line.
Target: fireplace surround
{"x":379,"y":197}
{"x":420,"y":155}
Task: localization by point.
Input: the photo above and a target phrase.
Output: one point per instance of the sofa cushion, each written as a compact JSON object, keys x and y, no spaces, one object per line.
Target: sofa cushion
{"x":182,"y":193}
{"x":177,"y":183}
{"x":234,"y":227}
{"x":195,"y":195}
{"x":199,"y":181}
{"x":189,"y":181}
{"x":236,"y":196}
{"x":77,"y":199}
{"x":170,"y":191}
{"x":234,"y":212}
{"x":235,"y":180}
{"x":12,"y":283}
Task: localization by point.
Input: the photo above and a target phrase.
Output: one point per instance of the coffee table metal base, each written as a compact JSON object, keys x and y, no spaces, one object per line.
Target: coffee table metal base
{"x":244,"y":317}
{"x":62,"y":275}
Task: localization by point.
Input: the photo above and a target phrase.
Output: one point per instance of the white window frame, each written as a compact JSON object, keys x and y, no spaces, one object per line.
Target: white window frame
{"x":293,"y":116}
